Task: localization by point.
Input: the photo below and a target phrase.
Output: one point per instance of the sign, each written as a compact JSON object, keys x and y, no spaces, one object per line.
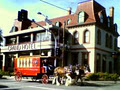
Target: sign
{"x":20,"y":47}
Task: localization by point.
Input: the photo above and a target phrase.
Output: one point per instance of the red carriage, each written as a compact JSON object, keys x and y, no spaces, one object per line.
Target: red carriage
{"x":35,"y":67}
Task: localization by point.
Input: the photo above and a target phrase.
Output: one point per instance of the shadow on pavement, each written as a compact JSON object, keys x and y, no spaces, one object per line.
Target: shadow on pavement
{"x":6,"y":88}
{"x":93,"y":84}
{"x":3,"y":86}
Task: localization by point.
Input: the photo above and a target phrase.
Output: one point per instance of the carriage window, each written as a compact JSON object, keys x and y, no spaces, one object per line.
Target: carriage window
{"x":30,"y":62}
{"x":18,"y":64}
{"x":23,"y":62}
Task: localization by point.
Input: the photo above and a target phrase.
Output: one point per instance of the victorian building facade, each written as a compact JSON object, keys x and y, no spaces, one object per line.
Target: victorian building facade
{"x":89,"y":37}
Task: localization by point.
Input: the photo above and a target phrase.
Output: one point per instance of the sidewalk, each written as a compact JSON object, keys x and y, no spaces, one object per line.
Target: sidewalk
{"x":9,"y":77}
{"x":100,"y":83}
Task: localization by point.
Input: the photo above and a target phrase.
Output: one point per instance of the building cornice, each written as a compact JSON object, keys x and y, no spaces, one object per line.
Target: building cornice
{"x":81,"y":24}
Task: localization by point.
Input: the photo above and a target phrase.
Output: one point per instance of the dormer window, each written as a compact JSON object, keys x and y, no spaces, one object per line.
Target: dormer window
{"x":101,"y":18}
{"x":14,"y":29}
{"x":57,"y":24}
{"x":81,"y":17}
{"x":68,"y":21}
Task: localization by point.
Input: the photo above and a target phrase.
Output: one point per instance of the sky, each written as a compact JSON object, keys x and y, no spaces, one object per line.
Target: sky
{"x":9,"y":10}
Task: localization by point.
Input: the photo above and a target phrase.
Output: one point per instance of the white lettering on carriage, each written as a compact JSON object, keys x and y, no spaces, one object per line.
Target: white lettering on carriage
{"x":27,"y":46}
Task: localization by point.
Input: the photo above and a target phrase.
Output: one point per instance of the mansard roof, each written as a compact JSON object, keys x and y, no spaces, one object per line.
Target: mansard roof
{"x":91,"y":9}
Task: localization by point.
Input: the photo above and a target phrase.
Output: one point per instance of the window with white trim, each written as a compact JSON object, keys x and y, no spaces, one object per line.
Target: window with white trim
{"x":81,"y":17}
{"x":76,"y":37}
{"x":86,"y":36}
{"x":68,"y":21}
{"x":57,"y":24}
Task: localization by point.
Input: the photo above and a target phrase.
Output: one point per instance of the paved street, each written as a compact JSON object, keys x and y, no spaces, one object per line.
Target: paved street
{"x":27,"y":84}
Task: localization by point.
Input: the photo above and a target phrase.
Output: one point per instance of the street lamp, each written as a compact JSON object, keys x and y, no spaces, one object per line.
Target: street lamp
{"x":55,"y":38}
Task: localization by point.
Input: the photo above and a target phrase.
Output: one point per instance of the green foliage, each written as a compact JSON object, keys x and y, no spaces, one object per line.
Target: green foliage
{"x":92,"y":76}
{"x":114,"y":77}
{"x":6,"y":73}
{"x":1,"y":72}
{"x":103,"y":76}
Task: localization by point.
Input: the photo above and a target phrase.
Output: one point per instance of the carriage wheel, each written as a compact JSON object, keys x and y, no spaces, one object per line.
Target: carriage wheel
{"x":18,"y":76}
{"x":44,"y":79}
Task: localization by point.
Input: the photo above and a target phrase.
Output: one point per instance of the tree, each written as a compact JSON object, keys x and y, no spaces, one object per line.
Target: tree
{"x":1,"y":37}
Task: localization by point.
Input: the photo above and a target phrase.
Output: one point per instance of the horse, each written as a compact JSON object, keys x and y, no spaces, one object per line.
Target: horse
{"x":81,"y":71}
{"x":61,"y":74}
{"x":71,"y":74}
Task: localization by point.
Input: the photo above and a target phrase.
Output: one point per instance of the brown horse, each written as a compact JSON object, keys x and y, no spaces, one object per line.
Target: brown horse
{"x":81,"y":72}
{"x":60,"y":74}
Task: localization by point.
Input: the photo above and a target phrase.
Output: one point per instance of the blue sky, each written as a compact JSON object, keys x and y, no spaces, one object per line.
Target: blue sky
{"x":10,"y":8}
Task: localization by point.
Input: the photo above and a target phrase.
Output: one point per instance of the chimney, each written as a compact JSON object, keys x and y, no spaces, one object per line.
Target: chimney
{"x":111,"y":14}
{"x":69,"y":10}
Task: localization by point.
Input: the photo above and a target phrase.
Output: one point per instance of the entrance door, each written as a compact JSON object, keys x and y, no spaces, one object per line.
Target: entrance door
{"x":75,"y":58}
{"x":85,"y":58}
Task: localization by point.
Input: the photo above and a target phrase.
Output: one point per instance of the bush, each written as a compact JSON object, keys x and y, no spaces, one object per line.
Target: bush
{"x":103,"y":76}
{"x":92,"y":76}
{"x":6,"y":73}
{"x":1,"y":73}
{"x":114,"y":77}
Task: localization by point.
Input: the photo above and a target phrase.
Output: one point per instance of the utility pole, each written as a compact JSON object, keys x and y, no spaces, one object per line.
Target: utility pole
{"x":63,"y":49}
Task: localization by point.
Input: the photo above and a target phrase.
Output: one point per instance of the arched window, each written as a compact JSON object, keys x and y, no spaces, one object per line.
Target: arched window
{"x":115,"y":44}
{"x":68,"y":21}
{"x":98,"y":37}
{"x":76,"y":37}
{"x":101,"y":18}
{"x":57,"y":24}
{"x":14,"y":29}
{"x":86,"y":36}
{"x":108,"y":22}
{"x":98,"y":62}
{"x":106,"y":40}
{"x":111,"y":42}
{"x":81,"y":17}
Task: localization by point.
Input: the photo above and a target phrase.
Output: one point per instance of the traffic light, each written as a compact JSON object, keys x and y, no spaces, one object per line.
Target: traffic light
{"x":58,"y":51}
{"x":22,"y":15}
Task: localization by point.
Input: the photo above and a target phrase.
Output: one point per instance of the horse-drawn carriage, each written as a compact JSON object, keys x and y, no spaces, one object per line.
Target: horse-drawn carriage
{"x":36,"y":67}
{"x":41,"y":67}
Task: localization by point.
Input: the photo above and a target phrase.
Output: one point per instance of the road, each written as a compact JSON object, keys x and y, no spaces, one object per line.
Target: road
{"x":27,"y":84}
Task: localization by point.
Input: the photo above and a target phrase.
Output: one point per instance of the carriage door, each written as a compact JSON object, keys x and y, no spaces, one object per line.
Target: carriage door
{"x":85,"y":58}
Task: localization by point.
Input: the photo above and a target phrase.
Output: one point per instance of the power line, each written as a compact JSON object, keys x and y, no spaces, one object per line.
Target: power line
{"x":53,"y":5}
